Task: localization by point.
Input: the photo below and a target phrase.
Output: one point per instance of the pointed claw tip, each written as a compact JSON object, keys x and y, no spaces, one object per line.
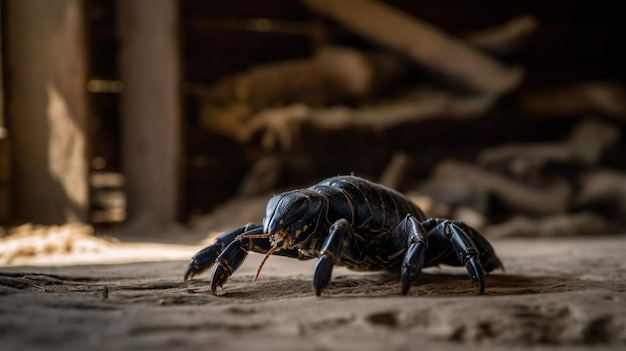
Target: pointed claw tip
{"x":188,"y":275}
{"x":480,"y":287}
{"x":322,"y":274}
{"x":318,"y":290}
{"x":321,"y":291}
{"x":190,"y":272}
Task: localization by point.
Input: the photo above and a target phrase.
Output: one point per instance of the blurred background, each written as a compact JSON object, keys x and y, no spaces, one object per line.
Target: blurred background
{"x":508,"y":115}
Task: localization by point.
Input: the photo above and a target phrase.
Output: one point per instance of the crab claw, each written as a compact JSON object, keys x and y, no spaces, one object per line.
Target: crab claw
{"x":321,"y":275}
{"x":412,"y":265}
{"x":205,"y":258}
{"x":476,"y":273}
{"x":202,"y":261}
{"x":192,"y":270}
{"x":221,"y":272}
{"x":226,"y":263}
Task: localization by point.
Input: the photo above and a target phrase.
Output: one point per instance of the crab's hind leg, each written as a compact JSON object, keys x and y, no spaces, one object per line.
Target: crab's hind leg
{"x":488,"y":257}
{"x":205,"y":258}
{"x":444,"y":234}
{"x":462,"y":244}
{"x":413,"y":262}
{"x":467,"y":253}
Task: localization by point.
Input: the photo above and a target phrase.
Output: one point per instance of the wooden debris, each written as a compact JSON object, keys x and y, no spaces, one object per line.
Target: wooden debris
{"x":31,"y":240}
{"x":263,"y":177}
{"x":333,"y":75}
{"x":424,"y":43}
{"x":451,"y":178}
{"x":280,"y":126}
{"x":528,"y":161}
{"x":395,"y":174}
{"x":506,"y":37}
{"x":559,"y":225}
{"x":450,"y":193}
{"x":470,"y":216}
{"x":603,"y":190}
{"x":602,"y":97}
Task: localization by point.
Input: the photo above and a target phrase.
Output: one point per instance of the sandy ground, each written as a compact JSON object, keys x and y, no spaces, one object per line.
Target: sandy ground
{"x":556,"y":294}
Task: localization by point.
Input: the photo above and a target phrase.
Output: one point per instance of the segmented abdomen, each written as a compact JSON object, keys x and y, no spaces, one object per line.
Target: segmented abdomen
{"x":366,"y":205}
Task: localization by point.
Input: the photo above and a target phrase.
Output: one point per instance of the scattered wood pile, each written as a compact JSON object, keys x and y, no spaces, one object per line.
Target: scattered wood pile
{"x":421,"y":103}
{"x":554,"y":188}
{"x":273,"y":99}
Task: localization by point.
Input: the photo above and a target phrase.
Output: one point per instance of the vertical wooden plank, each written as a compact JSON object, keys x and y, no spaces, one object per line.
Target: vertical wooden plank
{"x":5,"y":162}
{"x":47,"y":109}
{"x":150,"y":107}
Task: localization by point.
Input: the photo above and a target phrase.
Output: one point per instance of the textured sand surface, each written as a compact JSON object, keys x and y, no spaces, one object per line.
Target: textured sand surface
{"x":566,"y":293}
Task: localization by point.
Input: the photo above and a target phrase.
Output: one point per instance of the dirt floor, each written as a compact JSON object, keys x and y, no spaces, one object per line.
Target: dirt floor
{"x":556,"y":294}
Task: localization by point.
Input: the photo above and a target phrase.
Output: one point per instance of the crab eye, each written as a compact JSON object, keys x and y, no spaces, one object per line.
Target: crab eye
{"x":284,"y":210}
{"x":291,"y":211}
{"x":298,"y":207}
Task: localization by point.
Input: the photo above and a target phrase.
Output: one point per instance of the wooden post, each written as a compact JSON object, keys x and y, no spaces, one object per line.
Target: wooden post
{"x":151,"y":123}
{"x":5,"y":163}
{"x":47,"y":109}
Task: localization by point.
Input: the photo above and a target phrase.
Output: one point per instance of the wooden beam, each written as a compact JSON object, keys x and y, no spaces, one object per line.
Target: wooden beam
{"x":150,"y":106}
{"x":425,"y":44}
{"x":47,"y":109}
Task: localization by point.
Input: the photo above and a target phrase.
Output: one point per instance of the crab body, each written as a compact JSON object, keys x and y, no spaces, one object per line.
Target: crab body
{"x":350,"y":221}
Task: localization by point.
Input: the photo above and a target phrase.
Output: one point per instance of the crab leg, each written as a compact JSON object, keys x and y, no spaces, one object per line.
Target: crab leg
{"x":205,"y":258}
{"x":413,"y":262}
{"x":467,"y":253}
{"x":443,"y":233}
{"x":236,"y":252}
{"x":488,"y":258}
{"x":331,"y":249}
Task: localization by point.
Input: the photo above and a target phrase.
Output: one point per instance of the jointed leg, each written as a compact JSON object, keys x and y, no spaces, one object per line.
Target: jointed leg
{"x":488,"y":257}
{"x":229,"y":251}
{"x":413,"y":262}
{"x":461,"y":242}
{"x":466,"y":252}
{"x":331,"y":249}
{"x":205,"y":258}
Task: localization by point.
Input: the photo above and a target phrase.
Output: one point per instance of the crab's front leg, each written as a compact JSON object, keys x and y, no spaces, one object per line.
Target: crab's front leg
{"x":236,"y":252}
{"x":205,"y":258}
{"x":333,"y":246}
{"x":230,"y":250}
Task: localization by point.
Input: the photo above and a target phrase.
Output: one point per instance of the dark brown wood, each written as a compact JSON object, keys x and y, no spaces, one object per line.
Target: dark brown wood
{"x":235,"y":105}
{"x":459,"y":182}
{"x":5,"y":163}
{"x":47,"y":109}
{"x":422,"y":42}
{"x":149,"y":64}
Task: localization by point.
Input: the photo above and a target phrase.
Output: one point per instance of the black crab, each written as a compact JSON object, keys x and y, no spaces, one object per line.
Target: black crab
{"x":349,"y":221}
